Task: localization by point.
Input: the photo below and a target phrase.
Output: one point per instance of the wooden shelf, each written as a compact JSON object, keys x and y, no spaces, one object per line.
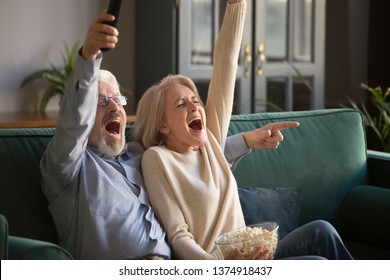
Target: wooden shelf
{"x":34,"y":119}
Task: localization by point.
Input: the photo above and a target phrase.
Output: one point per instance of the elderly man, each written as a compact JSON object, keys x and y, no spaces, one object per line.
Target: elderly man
{"x":91,"y":177}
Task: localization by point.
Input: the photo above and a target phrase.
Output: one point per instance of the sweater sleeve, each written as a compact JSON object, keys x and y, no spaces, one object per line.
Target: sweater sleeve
{"x":235,"y":149}
{"x":221,"y":91}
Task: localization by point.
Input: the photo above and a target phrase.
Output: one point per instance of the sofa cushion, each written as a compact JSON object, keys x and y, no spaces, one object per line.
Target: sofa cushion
{"x":364,"y":216}
{"x":21,"y":248}
{"x":20,"y":192}
{"x":3,"y":238}
{"x":325,"y":156}
{"x":264,"y":204}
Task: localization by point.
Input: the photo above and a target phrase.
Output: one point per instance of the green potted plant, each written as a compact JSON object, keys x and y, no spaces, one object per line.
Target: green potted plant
{"x":54,"y":76}
{"x":379,"y":119}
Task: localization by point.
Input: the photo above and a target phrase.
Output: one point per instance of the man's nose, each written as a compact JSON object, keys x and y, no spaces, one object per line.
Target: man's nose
{"x":112,"y":105}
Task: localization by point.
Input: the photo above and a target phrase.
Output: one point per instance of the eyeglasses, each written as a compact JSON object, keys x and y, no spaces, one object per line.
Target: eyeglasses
{"x":118,"y":99}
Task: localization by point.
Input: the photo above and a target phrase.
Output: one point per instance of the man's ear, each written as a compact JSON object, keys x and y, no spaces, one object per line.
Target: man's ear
{"x":164,"y":129}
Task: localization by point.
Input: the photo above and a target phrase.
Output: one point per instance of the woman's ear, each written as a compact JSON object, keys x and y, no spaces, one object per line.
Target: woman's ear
{"x":164,"y":129}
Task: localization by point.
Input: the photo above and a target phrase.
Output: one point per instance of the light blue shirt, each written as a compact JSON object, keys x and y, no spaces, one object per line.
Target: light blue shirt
{"x":98,"y":203}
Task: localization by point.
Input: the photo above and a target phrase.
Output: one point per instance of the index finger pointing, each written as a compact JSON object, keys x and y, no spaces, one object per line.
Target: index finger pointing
{"x":284,"y":125}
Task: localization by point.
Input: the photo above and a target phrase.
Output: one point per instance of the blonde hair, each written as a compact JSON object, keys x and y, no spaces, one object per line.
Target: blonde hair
{"x":151,"y":107}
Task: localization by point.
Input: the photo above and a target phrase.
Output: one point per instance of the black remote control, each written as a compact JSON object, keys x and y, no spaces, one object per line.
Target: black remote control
{"x":114,"y":7}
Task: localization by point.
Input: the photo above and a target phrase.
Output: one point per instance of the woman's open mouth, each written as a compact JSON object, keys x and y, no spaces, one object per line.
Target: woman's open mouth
{"x":196,"y":124}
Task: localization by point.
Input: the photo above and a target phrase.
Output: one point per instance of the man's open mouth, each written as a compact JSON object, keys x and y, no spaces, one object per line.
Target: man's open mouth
{"x":113,"y":127}
{"x":196,"y":124}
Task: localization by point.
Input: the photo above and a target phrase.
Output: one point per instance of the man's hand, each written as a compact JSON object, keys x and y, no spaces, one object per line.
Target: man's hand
{"x":268,"y":136}
{"x":99,"y":36}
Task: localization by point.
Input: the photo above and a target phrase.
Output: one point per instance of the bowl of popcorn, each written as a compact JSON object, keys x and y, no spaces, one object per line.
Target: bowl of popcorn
{"x":247,"y":239}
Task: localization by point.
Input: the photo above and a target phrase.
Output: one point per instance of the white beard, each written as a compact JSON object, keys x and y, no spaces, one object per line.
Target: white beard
{"x":113,"y":149}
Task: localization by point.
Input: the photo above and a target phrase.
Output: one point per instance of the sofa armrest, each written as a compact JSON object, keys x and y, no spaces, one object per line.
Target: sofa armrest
{"x":378,"y":164}
{"x":21,"y":248}
{"x":3,"y":238}
{"x":364,"y":216}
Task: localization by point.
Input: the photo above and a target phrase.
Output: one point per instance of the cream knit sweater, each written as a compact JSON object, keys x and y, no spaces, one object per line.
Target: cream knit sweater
{"x":195,"y":194}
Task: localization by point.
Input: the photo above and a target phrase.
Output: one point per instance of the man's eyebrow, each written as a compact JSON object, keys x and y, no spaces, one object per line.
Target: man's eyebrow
{"x":103,"y":95}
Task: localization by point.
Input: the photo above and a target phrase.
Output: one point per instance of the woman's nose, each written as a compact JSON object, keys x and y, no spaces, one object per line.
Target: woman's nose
{"x":193,"y":107}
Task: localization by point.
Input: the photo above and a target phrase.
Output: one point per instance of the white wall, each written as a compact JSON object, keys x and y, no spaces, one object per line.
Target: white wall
{"x":32,"y":33}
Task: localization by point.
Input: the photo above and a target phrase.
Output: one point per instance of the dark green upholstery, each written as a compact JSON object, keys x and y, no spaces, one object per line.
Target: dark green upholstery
{"x":21,"y":199}
{"x":3,"y":238}
{"x":19,"y":248}
{"x":358,"y":221}
{"x":325,"y":158}
{"x":32,"y":249}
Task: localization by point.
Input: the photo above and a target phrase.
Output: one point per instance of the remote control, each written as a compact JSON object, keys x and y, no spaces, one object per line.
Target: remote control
{"x":113,"y":8}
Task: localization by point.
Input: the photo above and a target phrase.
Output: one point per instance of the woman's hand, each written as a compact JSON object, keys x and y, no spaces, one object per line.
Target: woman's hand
{"x":261,"y":253}
{"x":268,"y":136}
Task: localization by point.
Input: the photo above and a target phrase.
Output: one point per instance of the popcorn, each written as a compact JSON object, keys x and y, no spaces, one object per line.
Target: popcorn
{"x":248,"y":239}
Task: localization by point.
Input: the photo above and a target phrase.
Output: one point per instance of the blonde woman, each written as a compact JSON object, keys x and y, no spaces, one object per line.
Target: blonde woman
{"x":188,"y":180}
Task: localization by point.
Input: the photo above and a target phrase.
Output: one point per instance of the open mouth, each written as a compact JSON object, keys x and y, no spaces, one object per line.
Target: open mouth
{"x":196,"y":124}
{"x":113,"y":127}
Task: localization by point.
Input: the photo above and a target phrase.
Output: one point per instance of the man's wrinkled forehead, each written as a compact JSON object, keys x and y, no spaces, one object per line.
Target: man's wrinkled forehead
{"x":108,"y":88}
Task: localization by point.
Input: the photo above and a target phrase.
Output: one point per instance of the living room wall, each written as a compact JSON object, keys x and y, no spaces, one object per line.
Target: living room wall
{"x":32,"y":35}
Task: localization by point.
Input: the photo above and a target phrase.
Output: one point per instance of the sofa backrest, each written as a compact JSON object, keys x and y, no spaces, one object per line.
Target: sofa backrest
{"x":324,"y":157}
{"x":21,"y":199}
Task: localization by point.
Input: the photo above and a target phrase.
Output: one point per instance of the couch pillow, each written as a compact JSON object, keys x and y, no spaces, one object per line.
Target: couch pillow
{"x":279,"y":204}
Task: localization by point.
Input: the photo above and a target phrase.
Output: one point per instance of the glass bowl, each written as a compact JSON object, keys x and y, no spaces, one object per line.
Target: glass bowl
{"x":248,"y":239}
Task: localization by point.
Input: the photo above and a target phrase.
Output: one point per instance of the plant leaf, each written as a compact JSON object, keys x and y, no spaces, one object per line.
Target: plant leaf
{"x":380,"y":123}
{"x":70,"y":58}
{"x":54,"y":78}
{"x":54,"y":68}
{"x":302,"y":78}
{"x":36,"y":75}
{"x":48,"y":94}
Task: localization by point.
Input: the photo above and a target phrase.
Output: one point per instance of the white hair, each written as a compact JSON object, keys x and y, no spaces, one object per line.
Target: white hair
{"x":106,"y":76}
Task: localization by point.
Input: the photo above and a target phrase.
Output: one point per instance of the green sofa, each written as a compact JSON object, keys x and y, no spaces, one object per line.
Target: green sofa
{"x":322,"y":170}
